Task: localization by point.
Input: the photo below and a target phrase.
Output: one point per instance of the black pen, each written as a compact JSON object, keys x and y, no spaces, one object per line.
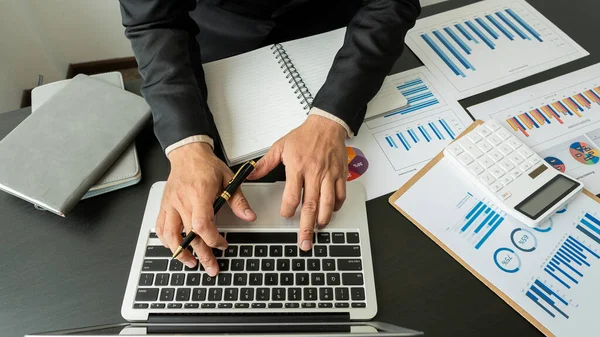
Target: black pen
{"x":230,"y":189}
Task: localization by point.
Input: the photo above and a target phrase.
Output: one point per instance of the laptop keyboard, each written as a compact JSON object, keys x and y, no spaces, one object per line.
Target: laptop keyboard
{"x":258,"y":270}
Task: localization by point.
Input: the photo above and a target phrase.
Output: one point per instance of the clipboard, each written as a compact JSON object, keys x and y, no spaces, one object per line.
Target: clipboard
{"x":409,"y":184}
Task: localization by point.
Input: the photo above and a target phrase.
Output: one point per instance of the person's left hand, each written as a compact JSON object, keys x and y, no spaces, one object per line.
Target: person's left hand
{"x":315,"y":158}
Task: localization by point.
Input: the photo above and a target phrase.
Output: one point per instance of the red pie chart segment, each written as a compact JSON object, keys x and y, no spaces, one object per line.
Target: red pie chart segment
{"x":357,"y":163}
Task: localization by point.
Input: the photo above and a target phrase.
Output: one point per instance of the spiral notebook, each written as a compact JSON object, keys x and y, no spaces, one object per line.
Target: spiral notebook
{"x":259,"y":96}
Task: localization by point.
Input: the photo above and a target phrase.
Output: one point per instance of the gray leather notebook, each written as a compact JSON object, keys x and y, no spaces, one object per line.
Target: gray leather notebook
{"x":55,"y":155}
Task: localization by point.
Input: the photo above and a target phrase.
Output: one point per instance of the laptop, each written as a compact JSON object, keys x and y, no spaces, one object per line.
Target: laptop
{"x":266,"y":284}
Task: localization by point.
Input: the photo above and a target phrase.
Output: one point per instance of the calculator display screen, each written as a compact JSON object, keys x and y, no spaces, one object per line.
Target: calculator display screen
{"x":547,"y":196}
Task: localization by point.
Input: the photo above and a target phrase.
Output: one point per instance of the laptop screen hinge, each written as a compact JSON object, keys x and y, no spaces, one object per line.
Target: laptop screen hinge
{"x":256,"y":323}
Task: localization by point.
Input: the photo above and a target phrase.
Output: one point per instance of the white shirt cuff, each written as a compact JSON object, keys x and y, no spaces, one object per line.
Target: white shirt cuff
{"x":189,"y":140}
{"x":322,"y":113}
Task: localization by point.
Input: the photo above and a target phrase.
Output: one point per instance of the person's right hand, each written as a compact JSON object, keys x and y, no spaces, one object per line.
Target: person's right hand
{"x":197,"y":177}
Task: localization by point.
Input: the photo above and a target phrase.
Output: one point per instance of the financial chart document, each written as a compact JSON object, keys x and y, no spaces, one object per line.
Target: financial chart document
{"x":490,"y":43}
{"x":559,"y":119}
{"x":551,"y":273}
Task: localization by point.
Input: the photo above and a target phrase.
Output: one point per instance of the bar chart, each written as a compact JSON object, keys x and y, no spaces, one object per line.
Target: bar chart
{"x":464,"y":45}
{"x":422,"y":133}
{"x":420,"y":97}
{"x":568,"y":263}
{"x":480,"y":222}
{"x":547,"y":299}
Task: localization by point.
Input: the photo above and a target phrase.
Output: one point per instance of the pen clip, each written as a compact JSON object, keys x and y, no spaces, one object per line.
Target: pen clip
{"x":251,"y":162}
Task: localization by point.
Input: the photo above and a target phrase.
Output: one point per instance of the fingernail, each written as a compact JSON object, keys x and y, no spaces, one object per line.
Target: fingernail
{"x":211,"y":271}
{"x":248,"y":213}
{"x":190,"y":264}
{"x":306,"y":245}
{"x":222,"y":248}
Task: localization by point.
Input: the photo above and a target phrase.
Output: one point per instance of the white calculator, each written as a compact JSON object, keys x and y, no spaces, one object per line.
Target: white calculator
{"x":517,"y":179}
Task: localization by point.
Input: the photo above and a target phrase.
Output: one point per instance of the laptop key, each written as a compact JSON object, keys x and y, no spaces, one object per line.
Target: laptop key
{"x":193,"y":279}
{"x":352,"y":238}
{"x":292,"y":305}
{"x":259,"y":305}
{"x":317,"y":279}
{"x":231,"y":294}
{"x":246,"y":251}
{"x":240,"y":279}
{"x":287,"y":279}
{"x":260,"y":251}
{"x":252,"y":264}
{"x":307,"y":253}
{"x":174,"y":306}
{"x":310,"y":294}
{"x":344,"y":251}
{"x":291,"y":251}
{"x":357,"y":294}
{"x":153,"y":235}
{"x":208,"y":280}
{"x":225,"y":305}
{"x":242,"y":305}
{"x":328,"y":264}
{"x":271,"y":279}
{"x":231,"y":251}
{"x":309,"y":305}
{"x":262,"y":294}
{"x":191,"y":305}
{"x":183,"y":295}
{"x":158,"y":251}
{"x":217,"y":252}
{"x":342,"y":294}
{"x":338,"y":238}
{"x":333,"y":279}
{"x":325,"y":305}
{"x":276,"y":251}
{"x":256,"y":279}
{"x":208,"y":305}
{"x":177,"y":279}
{"x":294,"y":294}
{"x":247,"y":294}
{"x":313,"y":264}
{"x":283,"y":264}
{"x":302,"y":279}
{"x":276,"y":238}
{"x":320,"y":251}
{"x":194,"y":268}
{"x":298,"y":264}
{"x":146,"y":279}
{"x":237,"y":265}
{"x":267,"y":265}
{"x":326,"y":294}
{"x":215,"y":294}
{"x":167,"y":294}
{"x":352,"y":279}
{"x":162,"y":279}
{"x":278,"y":294}
{"x":175,"y":265}
{"x":342,"y":305}
{"x":275,"y":305}
{"x":199,"y":294}
{"x":359,"y":305}
{"x":223,"y":264}
{"x":146,"y":294}
{"x":157,"y":306}
{"x":224,"y":279}
{"x":155,"y":265}
{"x":349,"y":264}
{"x":323,"y":238}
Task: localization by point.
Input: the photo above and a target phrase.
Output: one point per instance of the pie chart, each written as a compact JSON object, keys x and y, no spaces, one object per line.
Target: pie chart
{"x":357,"y":163}
{"x":584,"y":153}
{"x":556,"y":163}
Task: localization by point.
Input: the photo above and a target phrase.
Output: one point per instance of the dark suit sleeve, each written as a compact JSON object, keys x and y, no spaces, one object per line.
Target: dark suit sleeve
{"x":162,"y":35}
{"x":374,"y":40}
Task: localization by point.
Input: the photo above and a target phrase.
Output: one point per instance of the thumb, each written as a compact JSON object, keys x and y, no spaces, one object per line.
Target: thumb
{"x":268,"y":162}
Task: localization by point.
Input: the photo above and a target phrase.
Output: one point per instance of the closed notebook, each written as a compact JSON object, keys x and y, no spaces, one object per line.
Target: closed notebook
{"x":126,"y":170}
{"x":55,"y":155}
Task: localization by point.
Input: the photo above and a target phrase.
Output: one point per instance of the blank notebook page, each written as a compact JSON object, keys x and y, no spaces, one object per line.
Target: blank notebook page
{"x":313,"y":56}
{"x":252,"y":102}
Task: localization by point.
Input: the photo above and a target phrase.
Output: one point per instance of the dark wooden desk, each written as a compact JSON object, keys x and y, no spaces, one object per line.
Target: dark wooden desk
{"x":72,"y":272}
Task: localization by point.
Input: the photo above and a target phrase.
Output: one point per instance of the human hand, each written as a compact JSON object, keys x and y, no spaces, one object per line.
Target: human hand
{"x":315,"y":158}
{"x":197,"y":177}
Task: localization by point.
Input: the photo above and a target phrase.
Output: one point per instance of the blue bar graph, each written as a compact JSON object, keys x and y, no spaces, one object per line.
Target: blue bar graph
{"x":453,"y":50}
{"x":512,"y":26}
{"x":466,"y":33}
{"x":487,"y":28}
{"x":424,"y":133}
{"x":547,"y":299}
{"x":458,"y":40}
{"x":481,"y":222}
{"x":590,"y":227}
{"x":500,"y":27}
{"x":409,"y":141}
{"x":568,"y":264}
{"x":442,"y":55}
{"x":524,"y":24}
{"x":391,"y":142}
{"x":447,"y":128}
{"x":483,"y":37}
{"x":435,"y":131}
{"x":403,"y":141}
{"x":418,"y":95}
{"x":413,"y":135}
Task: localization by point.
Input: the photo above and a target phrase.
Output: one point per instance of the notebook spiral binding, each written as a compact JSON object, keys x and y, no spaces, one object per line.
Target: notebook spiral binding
{"x":294,"y":78}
